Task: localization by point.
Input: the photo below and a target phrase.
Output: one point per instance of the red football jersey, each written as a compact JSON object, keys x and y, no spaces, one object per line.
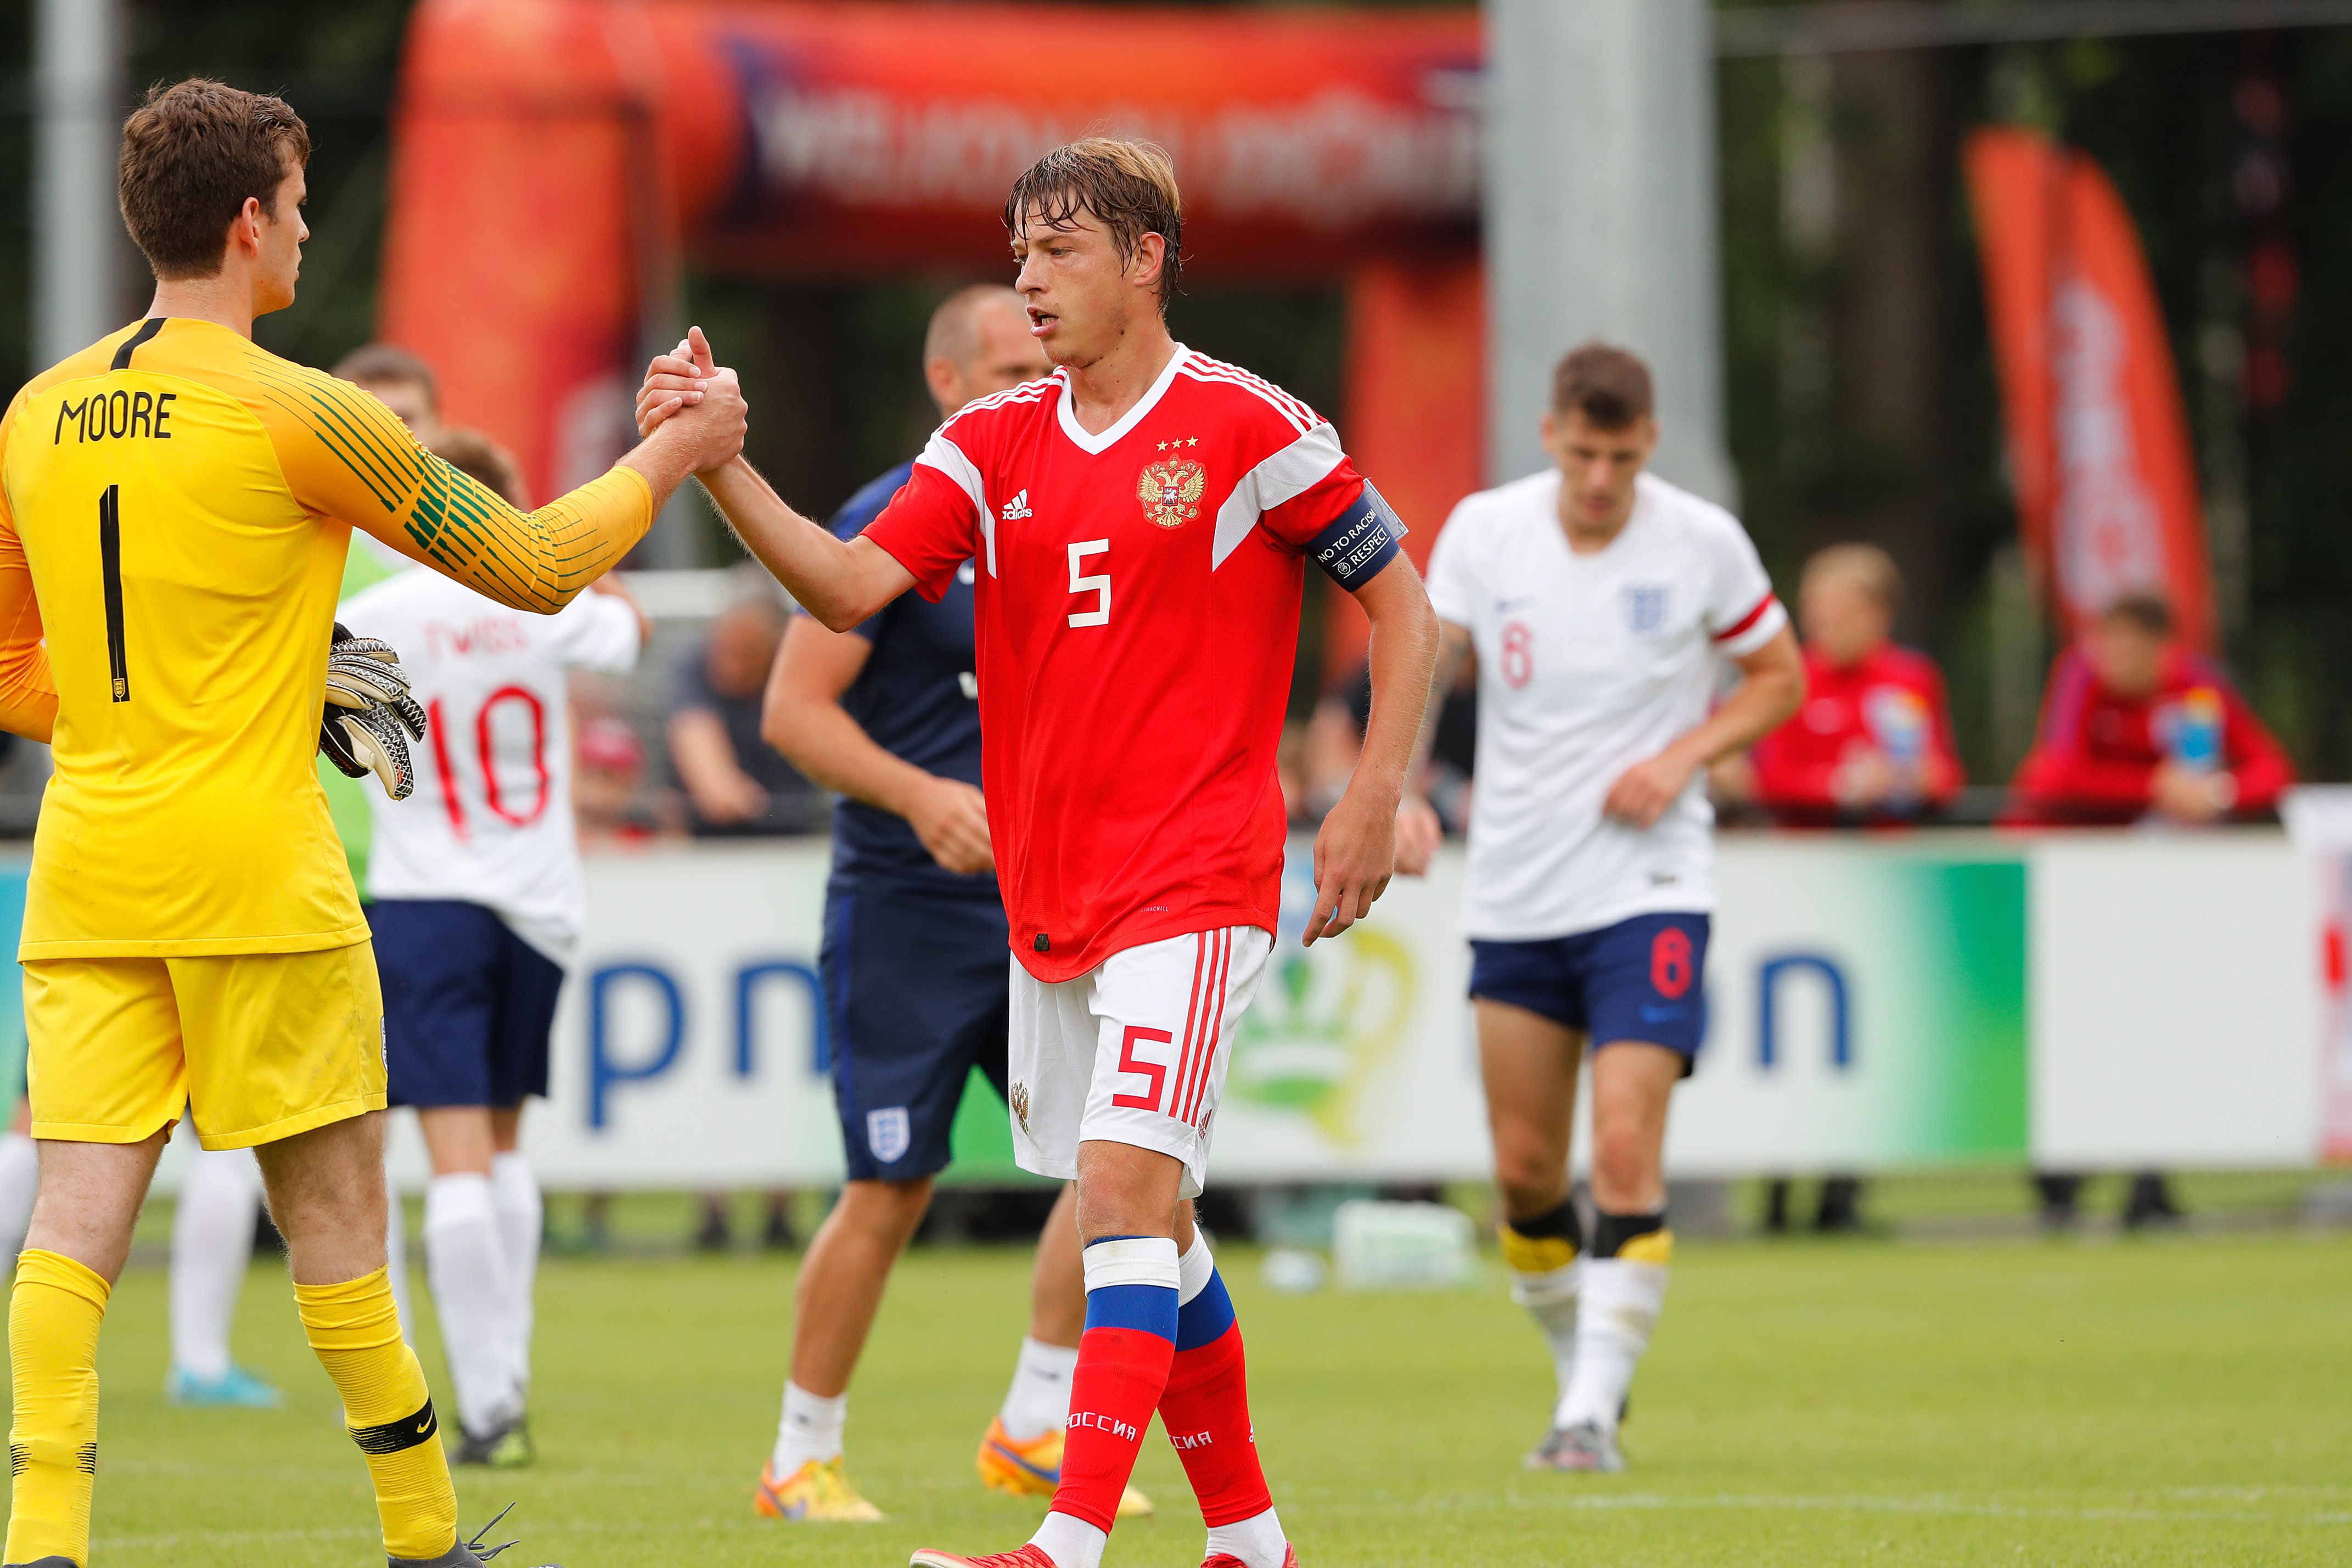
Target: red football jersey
{"x":1137,"y":606}
{"x":2095,"y":759}
{"x":1890,"y":701}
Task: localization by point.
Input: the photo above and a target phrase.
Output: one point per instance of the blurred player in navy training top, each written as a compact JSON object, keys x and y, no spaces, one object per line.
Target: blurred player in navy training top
{"x":887,"y":715}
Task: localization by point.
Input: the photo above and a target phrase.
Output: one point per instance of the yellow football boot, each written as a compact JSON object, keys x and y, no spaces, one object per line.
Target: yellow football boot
{"x":817,"y":1493}
{"x":1034,"y":1468}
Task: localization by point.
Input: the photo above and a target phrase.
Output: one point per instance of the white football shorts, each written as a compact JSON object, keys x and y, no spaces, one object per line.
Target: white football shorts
{"x":1132,"y":1051}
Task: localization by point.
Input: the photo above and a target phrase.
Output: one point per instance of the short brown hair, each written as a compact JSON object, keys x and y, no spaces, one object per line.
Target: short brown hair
{"x":373,"y":364}
{"x":191,"y":154}
{"x":1608,"y":386}
{"x":477,"y":456}
{"x":1867,"y":566}
{"x":1128,"y":187}
{"x":2148,"y":612}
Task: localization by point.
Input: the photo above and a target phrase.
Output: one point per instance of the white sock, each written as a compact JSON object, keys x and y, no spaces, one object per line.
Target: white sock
{"x":1070,"y":1543}
{"x":212,"y":1245}
{"x":1620,"y":1304}
{"x":521,"y":1218}
{"x":20,"y":1178}
{"x":1258,"y":1541}
{"x":466,"y":1265}
{"x":1550,"y":1300}
{"x":811,"y":1430}
{"x":1039,"y":1400}
{"x":395,"y":1257}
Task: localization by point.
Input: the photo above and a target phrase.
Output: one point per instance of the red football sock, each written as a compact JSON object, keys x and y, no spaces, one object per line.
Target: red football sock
{"x":1206,"y":1412}
{"x":1117,"y":1385}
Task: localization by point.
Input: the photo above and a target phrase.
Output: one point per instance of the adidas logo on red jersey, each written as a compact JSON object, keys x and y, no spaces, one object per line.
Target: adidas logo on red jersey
{"x":1017,"y":508}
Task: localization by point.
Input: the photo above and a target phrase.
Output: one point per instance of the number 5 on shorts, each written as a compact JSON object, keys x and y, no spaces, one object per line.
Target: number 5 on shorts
{"x":1151,"y":1069}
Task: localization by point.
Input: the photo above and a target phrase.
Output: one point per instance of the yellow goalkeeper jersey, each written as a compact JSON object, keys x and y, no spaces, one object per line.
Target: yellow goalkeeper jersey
{"x":175,"y":504}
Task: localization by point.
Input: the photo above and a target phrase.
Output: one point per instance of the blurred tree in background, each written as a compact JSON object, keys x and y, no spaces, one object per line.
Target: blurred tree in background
{"x":1861,"y":405}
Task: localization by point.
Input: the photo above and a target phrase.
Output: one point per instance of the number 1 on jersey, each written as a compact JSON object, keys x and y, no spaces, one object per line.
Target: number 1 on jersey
{"x":110,"y":566}
{"x":1098,"y":584}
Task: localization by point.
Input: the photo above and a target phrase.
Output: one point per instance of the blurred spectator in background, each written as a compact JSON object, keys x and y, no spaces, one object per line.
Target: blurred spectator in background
{"x":735,"y":783}
{"x":402,"y":381}
{"x":1873,"y":741}
{"x":610,"y":770}
{"x":1335,"y":738}
{"x":2136,"y":727}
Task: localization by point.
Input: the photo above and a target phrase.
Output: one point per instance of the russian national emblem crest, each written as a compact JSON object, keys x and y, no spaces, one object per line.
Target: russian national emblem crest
{"x":1019,"y":1101}
{"x":1171,"y":491}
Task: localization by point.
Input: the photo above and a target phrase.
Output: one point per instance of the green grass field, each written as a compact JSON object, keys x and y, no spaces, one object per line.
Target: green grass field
{"x":2175,"y":1401}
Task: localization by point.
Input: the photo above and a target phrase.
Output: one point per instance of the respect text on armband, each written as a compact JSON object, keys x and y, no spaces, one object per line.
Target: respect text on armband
{"x":1356,"y":546}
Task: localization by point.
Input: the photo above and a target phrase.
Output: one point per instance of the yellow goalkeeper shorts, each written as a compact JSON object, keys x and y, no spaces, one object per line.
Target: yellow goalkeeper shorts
{"x":258,"y":1046}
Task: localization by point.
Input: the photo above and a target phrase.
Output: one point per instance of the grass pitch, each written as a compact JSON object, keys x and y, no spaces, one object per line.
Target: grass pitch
{"x":2175,"y":1401}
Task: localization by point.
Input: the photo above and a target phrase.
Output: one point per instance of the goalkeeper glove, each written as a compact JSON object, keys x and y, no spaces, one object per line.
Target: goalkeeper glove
{"x":370,"y":717}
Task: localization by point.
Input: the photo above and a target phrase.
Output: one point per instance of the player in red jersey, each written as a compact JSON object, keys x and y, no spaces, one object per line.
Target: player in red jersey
{"x":1137,"y":524}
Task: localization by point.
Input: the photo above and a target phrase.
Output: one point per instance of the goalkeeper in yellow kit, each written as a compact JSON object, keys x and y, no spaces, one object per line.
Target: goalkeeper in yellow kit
{"x":175,"y":507}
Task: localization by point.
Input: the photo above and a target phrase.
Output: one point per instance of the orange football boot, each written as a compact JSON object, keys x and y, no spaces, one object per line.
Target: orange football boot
{"x":1033,"y":1468}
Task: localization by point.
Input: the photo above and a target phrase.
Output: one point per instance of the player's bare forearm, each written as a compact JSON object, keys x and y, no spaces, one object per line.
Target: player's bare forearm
{"x":831,"y":748}
{"x":801,"y":716}
{"x":803,"y":719}
{"x":840,"y":584}
{"x":1771,"y":691}
{"x":1455,"y":650}
{"x":1419,"y":833}
{"x":1404,"y":654}
{"x":1355,"y":851}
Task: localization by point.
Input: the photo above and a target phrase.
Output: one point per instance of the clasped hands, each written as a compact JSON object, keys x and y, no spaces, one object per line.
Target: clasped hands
{"x":689,"y":381}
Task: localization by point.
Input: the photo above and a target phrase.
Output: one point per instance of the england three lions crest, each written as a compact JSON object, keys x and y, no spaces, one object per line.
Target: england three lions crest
{"x":1647,"y":606}
{"x":1171,"y":491}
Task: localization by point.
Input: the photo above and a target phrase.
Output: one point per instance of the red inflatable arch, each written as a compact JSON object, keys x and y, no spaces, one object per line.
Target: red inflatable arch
{"x":557,"y":161}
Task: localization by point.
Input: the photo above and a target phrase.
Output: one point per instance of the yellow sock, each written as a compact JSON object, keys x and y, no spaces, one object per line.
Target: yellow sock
{"x":53,"y":1318}
{"x":355,"y":1331}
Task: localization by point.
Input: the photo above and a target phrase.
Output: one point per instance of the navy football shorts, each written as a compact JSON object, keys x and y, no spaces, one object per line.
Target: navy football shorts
{"x":1640,"y":979}
{"x":467,"y":1005}
{"x":915,"y":985}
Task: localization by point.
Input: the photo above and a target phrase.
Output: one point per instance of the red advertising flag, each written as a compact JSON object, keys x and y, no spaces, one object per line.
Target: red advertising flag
{"x":2099,"y":457}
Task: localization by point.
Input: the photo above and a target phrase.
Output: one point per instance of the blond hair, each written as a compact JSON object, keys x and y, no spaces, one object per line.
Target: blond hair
{"x":1866,"y":565}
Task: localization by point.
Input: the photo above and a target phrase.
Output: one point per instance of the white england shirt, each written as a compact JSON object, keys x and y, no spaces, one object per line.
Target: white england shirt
{"x":489,"y":821}
{"x":1587,"y":665}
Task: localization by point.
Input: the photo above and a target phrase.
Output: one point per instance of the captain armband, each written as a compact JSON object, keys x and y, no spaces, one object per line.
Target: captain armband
{"x":1354,"y":550}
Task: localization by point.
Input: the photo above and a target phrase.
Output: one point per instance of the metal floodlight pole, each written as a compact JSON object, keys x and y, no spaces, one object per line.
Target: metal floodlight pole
{"x":77,"y":271}
{"x":1601,"y":218}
